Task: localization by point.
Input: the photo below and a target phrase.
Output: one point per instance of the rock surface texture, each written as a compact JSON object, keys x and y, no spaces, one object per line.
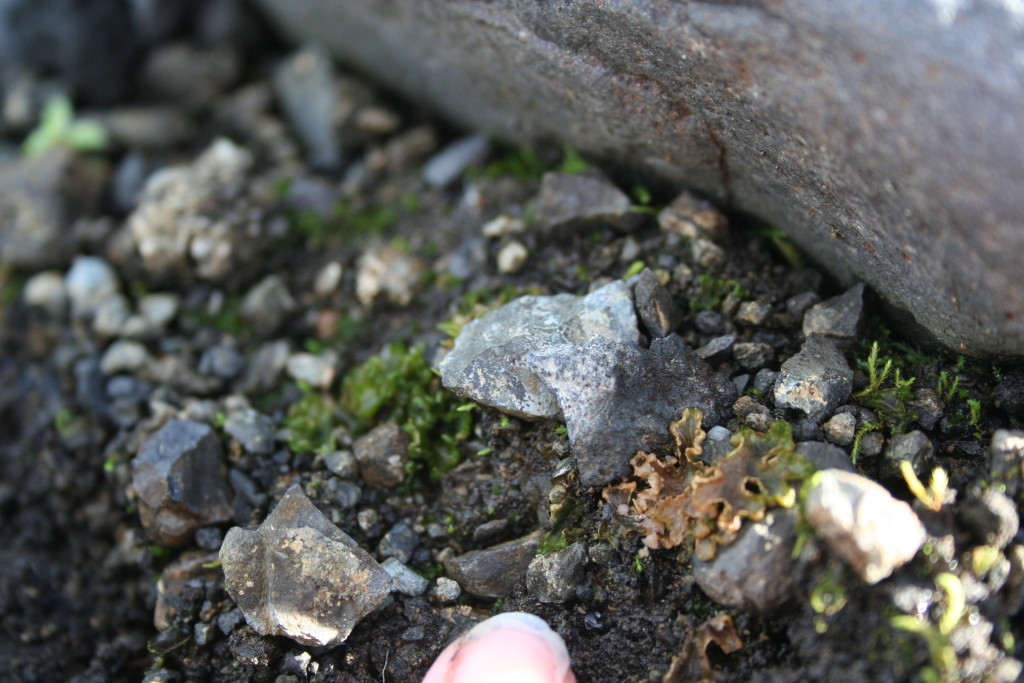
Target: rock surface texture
{"x":487,"y":363}
{"x":298,"y":575}
{"x":618,"y":399}
{"x":821,"y":118}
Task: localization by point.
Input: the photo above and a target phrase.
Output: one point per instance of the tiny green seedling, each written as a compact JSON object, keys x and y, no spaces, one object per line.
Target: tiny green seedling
{"x":974,"y":406}
{"x":58,"y":127}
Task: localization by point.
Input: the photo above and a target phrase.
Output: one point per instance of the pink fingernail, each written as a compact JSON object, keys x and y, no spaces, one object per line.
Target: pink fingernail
{"x":513,"y":647}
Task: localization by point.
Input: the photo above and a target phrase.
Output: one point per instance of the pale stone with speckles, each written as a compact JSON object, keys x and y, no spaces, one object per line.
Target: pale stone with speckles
{"x":298,"y":575}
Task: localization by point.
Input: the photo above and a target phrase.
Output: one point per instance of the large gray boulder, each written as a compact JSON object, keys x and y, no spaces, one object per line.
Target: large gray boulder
{"x":882,"y":135}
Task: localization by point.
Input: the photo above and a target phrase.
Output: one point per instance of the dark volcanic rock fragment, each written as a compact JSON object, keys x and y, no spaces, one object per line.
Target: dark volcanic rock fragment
{"x":493,"y":572}
{"x":619,"y":398}
{"x":298,"y":575}
{"x":658,"y":312}
{"x":181,"y":481}
{"x":757,"y":571}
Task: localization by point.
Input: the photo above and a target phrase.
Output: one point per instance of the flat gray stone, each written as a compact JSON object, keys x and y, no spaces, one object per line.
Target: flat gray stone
{"x":298,"y":575}
{"x":815,"y":381}
{"x":488,"y":361}
{"x":494,"y":572}
{"x":756,"y":571}
{"x":862,"y":523}
{"x":181,"y":481}
{"x":821,"y":118}
{"x":573,"y":202}
{"x":619,"y":398}
{"x":838,"y":317}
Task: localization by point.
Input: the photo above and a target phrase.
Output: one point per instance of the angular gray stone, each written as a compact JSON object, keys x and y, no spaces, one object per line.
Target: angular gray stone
{"x":494,"y":572}
{"x":752,"y":355}
{"x":553,"y":577}
{"x":862,"y":523}
{"x":305,"y":88}
{"x":252,"y":429}
{"x":619,"y":398}
{"x":487,"y":363}
{"x":399,"y":542}
{"x":658,"y":312}
{"x":405,"y":580}
{"x":815,"y":381}
{"x":172,"y":594}
{"x":343,"y":463}
{"x":838,"y":317}
{"x":181,"y":481}
{"x":298,"y":575}
{"x":382,"y":455}
{"x":267,"y":304}
{"x":574,"y":202}
{"x":222,"y":360}
{"x":716,"y":347}
{"x":757,"y":571}
{"x":820,"y":118}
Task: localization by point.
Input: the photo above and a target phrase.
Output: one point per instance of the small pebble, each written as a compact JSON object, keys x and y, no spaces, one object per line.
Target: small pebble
{"x":315,"y":370}
{"x":840,"y":429}
{"x":446,"y":591}
{"x":512,"y":257}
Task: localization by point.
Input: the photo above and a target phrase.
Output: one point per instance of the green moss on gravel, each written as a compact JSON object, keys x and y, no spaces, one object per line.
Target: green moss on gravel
{"x":399,"y":386}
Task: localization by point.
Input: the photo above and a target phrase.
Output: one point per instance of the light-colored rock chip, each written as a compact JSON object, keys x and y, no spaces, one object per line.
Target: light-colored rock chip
{"x":863,"y":524}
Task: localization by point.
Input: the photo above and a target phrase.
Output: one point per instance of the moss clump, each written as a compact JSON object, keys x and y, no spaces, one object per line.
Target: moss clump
{"x":399,"y":386}
{"x":711,"y":291}
{"x":310,"y":421}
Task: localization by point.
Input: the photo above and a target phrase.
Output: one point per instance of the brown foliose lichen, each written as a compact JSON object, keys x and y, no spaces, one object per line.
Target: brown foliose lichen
{"x":684,"y":497}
